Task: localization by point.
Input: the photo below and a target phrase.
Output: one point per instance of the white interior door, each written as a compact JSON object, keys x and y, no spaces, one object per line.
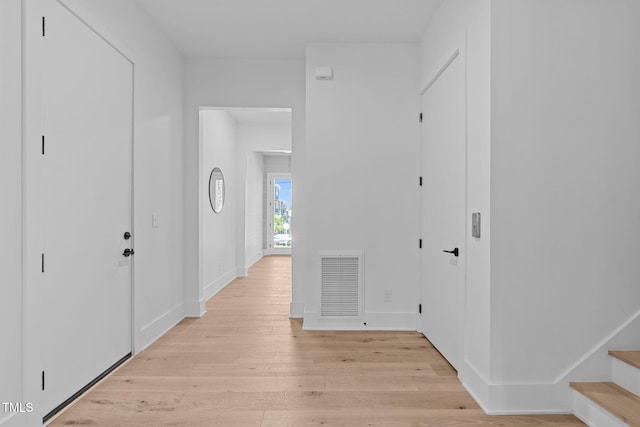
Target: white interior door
{"x":279,"y":214}
{"x":87,"y":169}
{"x":443,"y":206}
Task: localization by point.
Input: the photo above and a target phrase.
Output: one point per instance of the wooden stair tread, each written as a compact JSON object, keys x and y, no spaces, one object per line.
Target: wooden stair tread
{"x":615,"y":399}
{"x":631,"y":357}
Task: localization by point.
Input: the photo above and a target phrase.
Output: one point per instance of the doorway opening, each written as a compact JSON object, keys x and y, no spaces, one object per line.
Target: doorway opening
{"x":279,"y":214}
{"x":246,"y":146}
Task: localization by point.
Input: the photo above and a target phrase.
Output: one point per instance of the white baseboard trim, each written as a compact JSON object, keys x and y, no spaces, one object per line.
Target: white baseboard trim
{"x":195,"y":308}
{"x":296,"y":310}
{"x":155,"y":329}
{"x":521,"y":399}
{"x":475,"y":383}
{"x":252,"y":260}
{"x":374,"y":322}
{"x":217,"y":285}
{"x":515,"y":398}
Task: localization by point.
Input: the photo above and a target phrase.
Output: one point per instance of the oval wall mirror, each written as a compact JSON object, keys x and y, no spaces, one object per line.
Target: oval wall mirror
{"x":216,"y":190}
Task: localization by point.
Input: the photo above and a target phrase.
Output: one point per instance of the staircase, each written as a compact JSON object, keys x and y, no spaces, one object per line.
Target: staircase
{"x":615,"y":403}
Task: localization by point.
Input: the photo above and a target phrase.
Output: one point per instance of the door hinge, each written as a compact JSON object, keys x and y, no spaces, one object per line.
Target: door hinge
{"x":43,"y":27}
{"x":419,"y":308}
{"x":43,"y":145}
{"x":42,"y":261}
{"x":42,"y":380}
{"x":420,"y":243}
{"x":420,"y":117}
{"x":420,"y":181}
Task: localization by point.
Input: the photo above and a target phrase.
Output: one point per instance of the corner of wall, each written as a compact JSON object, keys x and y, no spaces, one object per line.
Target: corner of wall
{"x":475,"y":383}
{"x":195,"y":308}
{"x":296,"y":310}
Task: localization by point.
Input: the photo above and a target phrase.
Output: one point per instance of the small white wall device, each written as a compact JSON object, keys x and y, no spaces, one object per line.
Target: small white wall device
{"x":475,"y":224}
{"x":324,"y":73}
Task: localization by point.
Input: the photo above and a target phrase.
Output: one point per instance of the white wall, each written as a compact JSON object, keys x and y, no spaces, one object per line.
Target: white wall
{"x":564,"y":188}
{"x":465,"y":25}
{"x":239,"y":83}
{"x":277,"y":164}
{"x":158,"y":172}
{"x":265,"y":136}
{"x":219,"y":241}
{"x":11,"y":211}
{"x":254,"y":208}
{"x":362,"y":142}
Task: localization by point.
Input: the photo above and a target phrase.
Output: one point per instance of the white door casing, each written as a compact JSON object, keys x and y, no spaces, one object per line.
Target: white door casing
{"x":443,"y":209}
{"x":87,"y":202}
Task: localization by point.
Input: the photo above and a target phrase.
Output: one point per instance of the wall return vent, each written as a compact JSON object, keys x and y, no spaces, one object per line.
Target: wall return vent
{"x":341,"y":284}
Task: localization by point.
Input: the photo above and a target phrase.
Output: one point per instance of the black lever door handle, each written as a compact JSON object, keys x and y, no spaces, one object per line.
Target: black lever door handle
{"x":455,"y":252}
{"x":128,"y":252}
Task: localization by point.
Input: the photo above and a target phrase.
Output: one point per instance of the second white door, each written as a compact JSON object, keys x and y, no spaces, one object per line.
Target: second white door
{"x":443,"y":206}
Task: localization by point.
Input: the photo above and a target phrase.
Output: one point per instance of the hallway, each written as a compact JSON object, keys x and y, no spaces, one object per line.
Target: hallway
{"x":245,"y":363}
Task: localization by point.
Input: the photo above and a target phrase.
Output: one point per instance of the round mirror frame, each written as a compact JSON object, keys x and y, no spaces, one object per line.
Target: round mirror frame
{"x":216,"y":190}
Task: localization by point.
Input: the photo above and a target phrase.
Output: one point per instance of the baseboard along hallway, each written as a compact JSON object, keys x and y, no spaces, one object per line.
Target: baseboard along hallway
{"x":245,"y":363}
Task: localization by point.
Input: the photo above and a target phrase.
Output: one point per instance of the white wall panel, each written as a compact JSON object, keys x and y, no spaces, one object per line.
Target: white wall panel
{"x":564,"y":188}
{"x":219,"y":238}
{"x":361,"y":169}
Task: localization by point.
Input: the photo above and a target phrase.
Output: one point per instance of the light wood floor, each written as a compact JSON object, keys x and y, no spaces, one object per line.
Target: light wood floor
{"x":245,"y":363}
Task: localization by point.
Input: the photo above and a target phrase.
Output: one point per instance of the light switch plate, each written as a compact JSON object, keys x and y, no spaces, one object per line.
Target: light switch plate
{"x":475,"y":224}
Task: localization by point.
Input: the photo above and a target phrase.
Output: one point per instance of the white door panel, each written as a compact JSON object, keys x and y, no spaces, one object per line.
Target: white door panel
{"x":443,"y":206}
{"x":87,"y":165}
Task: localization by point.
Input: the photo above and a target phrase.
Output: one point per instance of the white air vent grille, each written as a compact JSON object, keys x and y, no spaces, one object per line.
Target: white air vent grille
{"x":341,"y":285}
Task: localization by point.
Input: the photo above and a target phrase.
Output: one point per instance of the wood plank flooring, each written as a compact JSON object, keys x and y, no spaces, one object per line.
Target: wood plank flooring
{"x":245,"y":363}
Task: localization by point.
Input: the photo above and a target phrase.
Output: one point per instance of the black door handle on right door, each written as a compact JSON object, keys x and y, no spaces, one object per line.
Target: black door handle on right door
{"x":455,"y":252}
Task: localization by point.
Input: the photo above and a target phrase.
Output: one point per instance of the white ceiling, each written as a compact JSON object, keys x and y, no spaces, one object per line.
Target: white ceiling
{"x":279,"y":29}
